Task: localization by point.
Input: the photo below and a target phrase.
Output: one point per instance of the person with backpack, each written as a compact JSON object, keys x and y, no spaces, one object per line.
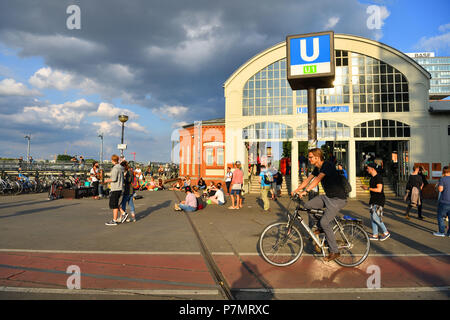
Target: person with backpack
{"x":334,"y":199}
{"x":127,"y":197}
{"x":376,"y":203}
{"x":266,"y":179}
{"x":413,"y":194}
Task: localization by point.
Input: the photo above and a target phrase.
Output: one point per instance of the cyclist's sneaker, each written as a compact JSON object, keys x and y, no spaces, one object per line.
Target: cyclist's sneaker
{"x":385,"y":236}
{"x":124,"y":217}
{"x":374,"y":238}
{"x":111,"y":223}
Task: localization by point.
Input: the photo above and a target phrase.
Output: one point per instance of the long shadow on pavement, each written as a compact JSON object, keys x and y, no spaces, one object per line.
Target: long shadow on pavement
{"x":31,"y":211}
{"x":149,"y":210}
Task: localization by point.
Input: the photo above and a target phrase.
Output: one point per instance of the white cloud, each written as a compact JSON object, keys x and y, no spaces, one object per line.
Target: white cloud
{"x":435,"y":43}
{"x":9,"y":87}
{"x":114,"y":128}
{"x":172,"y":111}
{"x":444,"y":27}
{"x":332,"y":22}
{"x":179,"y":124}
{"x":68,"y":115}
{"x":46,"y":78}
{"x":109,"y":111}
{"x":137,"y":127}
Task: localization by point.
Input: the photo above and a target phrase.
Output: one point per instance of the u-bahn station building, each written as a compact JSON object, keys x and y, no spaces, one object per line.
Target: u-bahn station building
{"x":379,"y":105}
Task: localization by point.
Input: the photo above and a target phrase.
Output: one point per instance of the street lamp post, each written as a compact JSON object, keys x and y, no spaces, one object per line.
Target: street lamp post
{"x":101,"y":149}
{"x":28,"y":149}
{"x":122,"y":118}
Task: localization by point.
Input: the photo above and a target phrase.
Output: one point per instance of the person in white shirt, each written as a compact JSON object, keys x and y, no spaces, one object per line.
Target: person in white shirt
{"x":219,"y":196}
{"x":95,"y":176}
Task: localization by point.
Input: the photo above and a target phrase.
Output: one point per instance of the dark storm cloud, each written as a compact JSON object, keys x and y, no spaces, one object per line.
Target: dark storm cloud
{"x":179,"y":52}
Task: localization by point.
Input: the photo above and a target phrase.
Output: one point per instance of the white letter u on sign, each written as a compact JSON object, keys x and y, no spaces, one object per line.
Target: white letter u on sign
{"x":303,"y":54}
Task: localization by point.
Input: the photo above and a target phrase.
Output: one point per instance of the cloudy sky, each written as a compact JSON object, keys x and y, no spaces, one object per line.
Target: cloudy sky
{"x":163,"y":63}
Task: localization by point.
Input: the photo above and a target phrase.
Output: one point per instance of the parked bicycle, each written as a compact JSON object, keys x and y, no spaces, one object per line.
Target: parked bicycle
{"x":281,"y":243}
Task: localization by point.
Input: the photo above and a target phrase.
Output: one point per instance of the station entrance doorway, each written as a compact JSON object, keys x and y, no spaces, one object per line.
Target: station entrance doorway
{"x":391,"y":155}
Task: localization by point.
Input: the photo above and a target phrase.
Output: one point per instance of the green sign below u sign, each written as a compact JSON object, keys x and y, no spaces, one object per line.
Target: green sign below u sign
{"x":310,"y":69}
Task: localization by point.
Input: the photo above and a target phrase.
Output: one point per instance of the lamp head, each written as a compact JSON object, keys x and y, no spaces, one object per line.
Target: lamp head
{"x":123,"y":118}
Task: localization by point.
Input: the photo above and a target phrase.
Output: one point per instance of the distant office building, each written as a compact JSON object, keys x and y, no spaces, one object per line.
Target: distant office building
{"x":439,"y":68}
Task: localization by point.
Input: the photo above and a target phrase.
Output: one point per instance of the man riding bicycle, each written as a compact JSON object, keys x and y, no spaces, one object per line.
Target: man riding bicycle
{"x":332,"y":201}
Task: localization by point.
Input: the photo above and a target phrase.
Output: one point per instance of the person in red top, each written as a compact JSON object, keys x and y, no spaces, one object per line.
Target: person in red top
{"x":236,"y":186}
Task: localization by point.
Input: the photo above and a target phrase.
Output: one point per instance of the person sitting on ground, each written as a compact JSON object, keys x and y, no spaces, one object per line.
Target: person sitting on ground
{"x":151,"y":185}
{"x":201,"y":184}
{"x":160,"y":184}
{"x":211,"y":189}
{"x":218,"y":197}
{"x":189,"y":204}
{"x":177,"y":186}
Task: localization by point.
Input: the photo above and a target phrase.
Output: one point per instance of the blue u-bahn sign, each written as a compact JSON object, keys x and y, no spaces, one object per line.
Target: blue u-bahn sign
{"x":310,"y":60}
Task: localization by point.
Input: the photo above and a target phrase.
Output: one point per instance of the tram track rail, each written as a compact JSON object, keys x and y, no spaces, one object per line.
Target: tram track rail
{"x":218,"y":277}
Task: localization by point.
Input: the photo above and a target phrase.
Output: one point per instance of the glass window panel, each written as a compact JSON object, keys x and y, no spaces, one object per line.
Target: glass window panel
{"x":371,"y":132}
{"x":385,"y":132}
{"x":407,"y":132}
{"x":399,"y":132}
{"x":357,"y":132}
{"x":376,"y":107}
{"x":391,"y":132}
{"x":362,"y":108}
{"x":370,"y":107}
{"x":356,"y":108}
{"x":406,"y":107}
{"x":405,"y":97}
{"x":363,"y":133}
{"x":398,"y":107}
{"x":384,"y":107}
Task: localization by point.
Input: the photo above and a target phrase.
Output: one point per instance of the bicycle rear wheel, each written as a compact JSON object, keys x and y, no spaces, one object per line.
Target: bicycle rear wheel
{"x":353,"y":243}
{"x":280,"y":245}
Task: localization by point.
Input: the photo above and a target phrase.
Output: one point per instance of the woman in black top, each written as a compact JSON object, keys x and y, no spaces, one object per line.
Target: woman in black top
{"x":415,"y":180}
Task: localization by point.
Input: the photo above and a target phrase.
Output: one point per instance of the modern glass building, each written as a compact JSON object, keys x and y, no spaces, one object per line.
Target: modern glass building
{"x":439,"y":68}
{"x":378,"y":106}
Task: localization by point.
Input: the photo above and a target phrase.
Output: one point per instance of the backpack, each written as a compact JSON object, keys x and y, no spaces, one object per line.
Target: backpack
{"x":345,"y":184}
{"x":200,"y":203}
{"x":268,"y":179}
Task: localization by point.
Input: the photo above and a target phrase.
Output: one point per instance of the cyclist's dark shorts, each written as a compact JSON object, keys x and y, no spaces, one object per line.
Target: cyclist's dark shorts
{"x":114,"y":199}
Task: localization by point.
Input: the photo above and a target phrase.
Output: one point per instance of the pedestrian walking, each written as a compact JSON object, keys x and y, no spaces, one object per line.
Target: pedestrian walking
{"x":273,"y":186}
{"x":116,"y":180}
{"x":444,"y":203}
{"x":376,"y":203}
{"x":265,"y":179}
{"x":413,"y":194}
{"x":236,"y":187}
{"x":127,"y":197}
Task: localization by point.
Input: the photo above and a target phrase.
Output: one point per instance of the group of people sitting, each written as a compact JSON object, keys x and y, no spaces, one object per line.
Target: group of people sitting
{"x":144,"y":181}
{"x":199,"y":195}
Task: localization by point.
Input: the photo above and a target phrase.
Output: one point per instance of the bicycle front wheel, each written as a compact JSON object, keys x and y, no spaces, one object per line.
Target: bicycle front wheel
{"x":281,"y":245}
{"x":353,"y":243}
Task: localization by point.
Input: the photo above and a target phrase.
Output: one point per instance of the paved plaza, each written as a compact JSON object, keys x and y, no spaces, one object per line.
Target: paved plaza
{"x":172,"y":255}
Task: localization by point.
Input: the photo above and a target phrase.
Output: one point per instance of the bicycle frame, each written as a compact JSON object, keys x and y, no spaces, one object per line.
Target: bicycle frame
{"x":314,"y":237}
